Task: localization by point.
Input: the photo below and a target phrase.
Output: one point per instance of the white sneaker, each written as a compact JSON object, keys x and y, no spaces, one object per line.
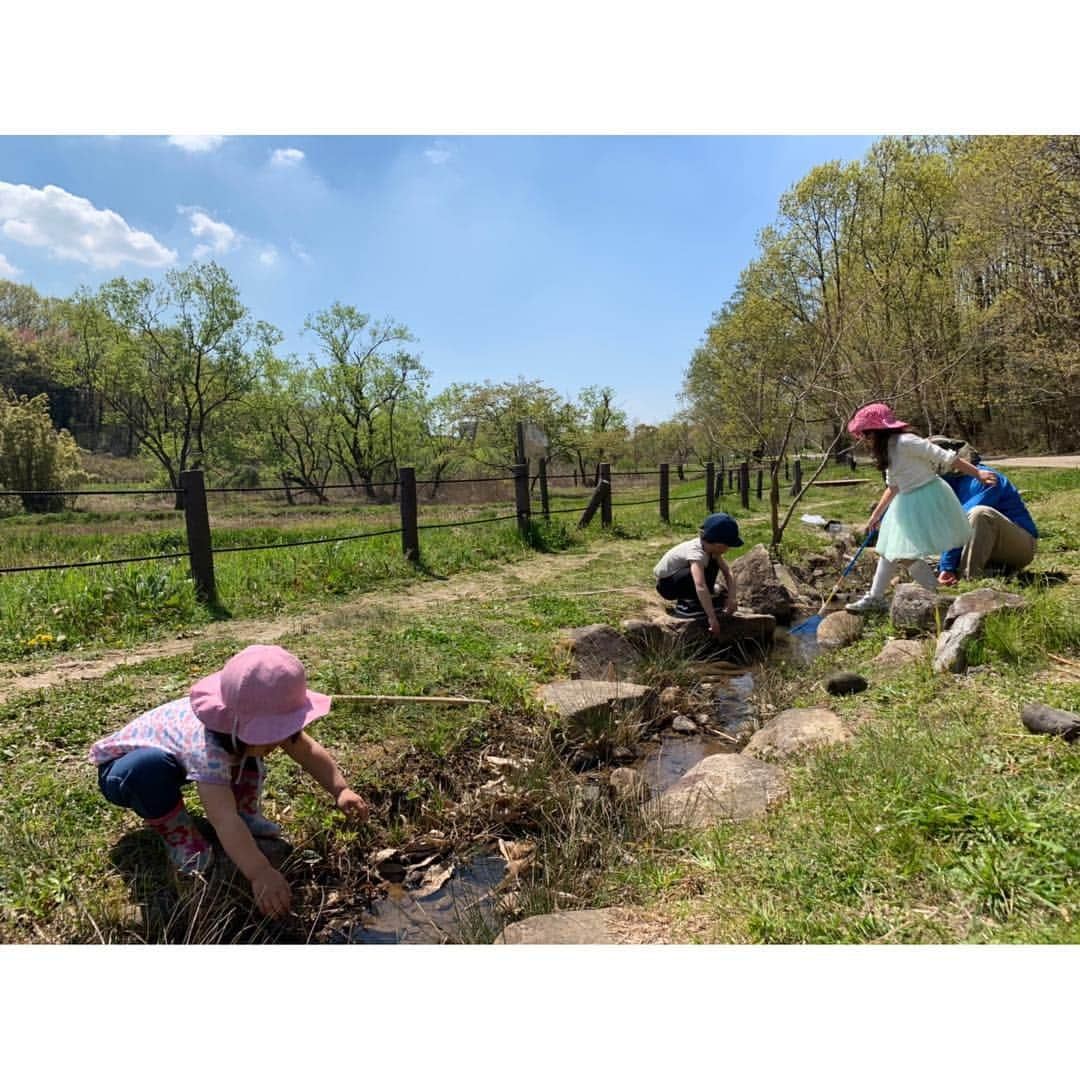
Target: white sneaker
{"x":865,"y":604}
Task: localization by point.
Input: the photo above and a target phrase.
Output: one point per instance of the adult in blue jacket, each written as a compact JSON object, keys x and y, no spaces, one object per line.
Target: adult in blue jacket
{"x":1002,"y":532}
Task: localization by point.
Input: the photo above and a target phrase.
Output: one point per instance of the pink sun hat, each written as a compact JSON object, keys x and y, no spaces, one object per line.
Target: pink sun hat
{"x":875,"y":417}
{"x":260,"y":696}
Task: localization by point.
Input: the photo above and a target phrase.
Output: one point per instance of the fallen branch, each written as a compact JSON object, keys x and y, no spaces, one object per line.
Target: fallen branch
{"x":1063,"y":660}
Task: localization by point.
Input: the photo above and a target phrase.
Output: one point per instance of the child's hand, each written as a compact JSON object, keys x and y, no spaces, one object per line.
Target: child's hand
{"x":730,"y":605}
{"x":348,"y":802}
{"x":987,"y":477}
{"x":271,"y":892}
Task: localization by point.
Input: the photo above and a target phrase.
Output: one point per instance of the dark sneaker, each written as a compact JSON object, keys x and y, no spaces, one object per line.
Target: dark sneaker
{"x":688,"y":609}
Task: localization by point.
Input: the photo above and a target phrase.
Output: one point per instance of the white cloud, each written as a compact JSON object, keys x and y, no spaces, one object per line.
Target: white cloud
{"x":216,"y":237}
{"x":71,"y":227}
{"x":439,"y":154}
{"x":269,"y":256}
{"x":197,"y":144}
{"x":6,"y":269}
{"x":287,"y":156}
{"x":300,"y":252}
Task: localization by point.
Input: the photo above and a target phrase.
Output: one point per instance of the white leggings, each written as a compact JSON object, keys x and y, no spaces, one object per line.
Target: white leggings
{"x":919,"y":571}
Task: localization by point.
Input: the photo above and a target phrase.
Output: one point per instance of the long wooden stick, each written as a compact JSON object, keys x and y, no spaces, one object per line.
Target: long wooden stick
{"x":1063,"y":660}
{"x":395,"y":699}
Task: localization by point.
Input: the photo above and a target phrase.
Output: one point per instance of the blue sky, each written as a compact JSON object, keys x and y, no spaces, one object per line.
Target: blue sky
{"x":575,"y":260}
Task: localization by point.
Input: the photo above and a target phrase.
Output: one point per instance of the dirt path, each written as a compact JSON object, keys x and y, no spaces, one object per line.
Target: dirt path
{"x":516,"y":580}
{"x":1067,"y":461}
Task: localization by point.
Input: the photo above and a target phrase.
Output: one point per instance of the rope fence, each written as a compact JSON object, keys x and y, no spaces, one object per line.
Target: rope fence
{"x":200,"y":549}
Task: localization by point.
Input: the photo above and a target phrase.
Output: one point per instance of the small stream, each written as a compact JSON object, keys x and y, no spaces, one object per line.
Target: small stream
{"x":402,"y":918}
{"x":466,"y":898}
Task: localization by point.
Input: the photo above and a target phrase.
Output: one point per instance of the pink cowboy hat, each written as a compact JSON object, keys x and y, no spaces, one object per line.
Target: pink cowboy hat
{"x":876,"y":417}
{"x":260,"y":696}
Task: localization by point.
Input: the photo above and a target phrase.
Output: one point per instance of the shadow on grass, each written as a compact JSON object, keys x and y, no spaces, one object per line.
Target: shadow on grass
{"x":215,"y":909}
{"x":424,"y":570}
{"x":1043,"y":579}
{"x":217,"y":610}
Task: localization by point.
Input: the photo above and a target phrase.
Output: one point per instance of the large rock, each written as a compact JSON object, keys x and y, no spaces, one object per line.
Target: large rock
{"x":594,"y":926}
{"x":721,"y":787}
{"x":692,"y":635}
{"x":796,"y":731}
{"x":982,"y":601}
{"x":759,"y":589}
{"x":951,"y":651}
{"x":589,"y":709}
{"x":601,"y":652}
{"x":788,"y":580}
{"x":899,"y":651}
{"x":840,"y":628}
{"x":916,"y":608}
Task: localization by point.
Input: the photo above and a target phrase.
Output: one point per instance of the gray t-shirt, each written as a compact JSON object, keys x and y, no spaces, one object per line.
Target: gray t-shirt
{"x":680,"y":557}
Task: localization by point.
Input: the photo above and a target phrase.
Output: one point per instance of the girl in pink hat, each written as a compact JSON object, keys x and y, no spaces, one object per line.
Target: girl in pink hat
{"x":217,"y":737}
{"x":924,"y":517}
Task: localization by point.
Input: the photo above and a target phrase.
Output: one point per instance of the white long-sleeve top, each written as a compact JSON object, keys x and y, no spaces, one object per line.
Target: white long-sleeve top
{"x":914,"y":461}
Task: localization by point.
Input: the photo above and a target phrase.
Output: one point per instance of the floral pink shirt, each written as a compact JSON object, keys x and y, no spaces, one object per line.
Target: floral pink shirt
{"x":176,"y":729}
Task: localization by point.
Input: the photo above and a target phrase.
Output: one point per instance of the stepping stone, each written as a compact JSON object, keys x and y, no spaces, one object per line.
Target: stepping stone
{"x":839,"y":629}
{"x":1043,"y":720}
{"x":593,"y":926}
{"x":601,"y":652}
{"x":721,"y":788}
{"x":794,"y":732}
{"x":982,"y":601}
{"x":950,"y":654}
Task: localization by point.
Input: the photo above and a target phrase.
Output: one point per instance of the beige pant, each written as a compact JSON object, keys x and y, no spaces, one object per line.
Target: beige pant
{"x":995,"y":539}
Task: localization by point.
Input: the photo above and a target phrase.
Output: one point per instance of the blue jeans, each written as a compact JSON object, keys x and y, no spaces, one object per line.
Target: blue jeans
{"x":147,"y":781}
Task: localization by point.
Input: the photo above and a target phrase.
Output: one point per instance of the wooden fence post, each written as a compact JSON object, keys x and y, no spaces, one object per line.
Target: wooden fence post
{"x":605,"y":505}
{"x":521,"y":495}
{"x":710,"y":487}
{"x":197,"y":521}
{"x":519,"y":441}
{"x":744,"y":485}
{"x":410,"y":532}
{"x":796,"y":486}
{"x":594,"y":504}
{"x":665,"y":493}
{"x":545,"y":506}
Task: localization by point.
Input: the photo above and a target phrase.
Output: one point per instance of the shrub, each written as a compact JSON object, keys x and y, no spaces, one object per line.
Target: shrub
{"x":34,"y":456}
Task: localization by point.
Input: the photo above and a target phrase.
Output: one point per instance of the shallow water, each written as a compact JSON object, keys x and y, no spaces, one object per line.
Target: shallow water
{"x":400,"y":918}
{"x":800,"y":649}
{"x":729,"y":711}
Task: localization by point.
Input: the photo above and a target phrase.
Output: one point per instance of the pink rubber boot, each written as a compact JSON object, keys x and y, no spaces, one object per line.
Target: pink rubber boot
{"x":188,"y":851}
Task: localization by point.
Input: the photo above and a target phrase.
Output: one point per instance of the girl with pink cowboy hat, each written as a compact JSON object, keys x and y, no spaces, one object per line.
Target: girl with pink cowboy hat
{"x":925,"y":517}
{"x":217,"y":737}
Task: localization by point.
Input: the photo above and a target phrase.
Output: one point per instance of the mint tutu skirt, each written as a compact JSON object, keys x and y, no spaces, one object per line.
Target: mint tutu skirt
{"x":926,"y":521}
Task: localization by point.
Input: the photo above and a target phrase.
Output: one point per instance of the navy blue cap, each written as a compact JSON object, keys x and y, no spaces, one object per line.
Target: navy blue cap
{"x":721,"y":529}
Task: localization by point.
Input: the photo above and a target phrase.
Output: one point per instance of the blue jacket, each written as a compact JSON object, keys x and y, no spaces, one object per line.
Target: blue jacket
{"x":1002,"y":497}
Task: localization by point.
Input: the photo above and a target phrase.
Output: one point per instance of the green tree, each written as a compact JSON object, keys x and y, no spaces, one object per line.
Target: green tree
{"x":35,"y":458}
{"x":173,"y":358}
{"x":599,"y":432}
{"x":484,"y":418}
{"x":371,"y":385}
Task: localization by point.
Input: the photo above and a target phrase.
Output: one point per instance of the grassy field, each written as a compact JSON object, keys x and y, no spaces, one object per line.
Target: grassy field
{"x":941,"y":820}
